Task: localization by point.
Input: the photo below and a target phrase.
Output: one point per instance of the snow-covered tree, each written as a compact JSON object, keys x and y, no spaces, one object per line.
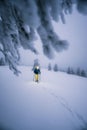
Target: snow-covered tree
{"x":72,"y":71}
{"x":78,"y":72}
{"x":83,"y":73}
{"x":69,"y":70}
{"x":2,"y":62}
{"x":55,"y":68}
{"x":49,"y":67}
{"x":21,"y":19}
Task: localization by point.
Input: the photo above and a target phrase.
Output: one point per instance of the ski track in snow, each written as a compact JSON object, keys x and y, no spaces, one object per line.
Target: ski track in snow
{"x":60,"y":99}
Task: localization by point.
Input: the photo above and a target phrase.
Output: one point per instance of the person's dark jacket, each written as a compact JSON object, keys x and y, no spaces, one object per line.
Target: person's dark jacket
{"x":37,"y":71}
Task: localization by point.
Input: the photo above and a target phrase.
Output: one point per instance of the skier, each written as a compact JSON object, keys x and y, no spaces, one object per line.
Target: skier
{"x":37,"y":73}
{"x":36,"y":70}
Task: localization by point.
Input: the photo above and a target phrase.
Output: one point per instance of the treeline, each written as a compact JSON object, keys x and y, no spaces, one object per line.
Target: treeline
{"x":78,"y":71}
{"x":69,"y":70}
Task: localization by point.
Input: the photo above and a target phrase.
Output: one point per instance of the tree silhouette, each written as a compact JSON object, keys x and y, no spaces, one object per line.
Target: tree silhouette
{"x":2,"y":62}
{"x":78,"y":72}
{"x":49,"y":67}
{"x":83,"y":73}
{"x":55,"y":68}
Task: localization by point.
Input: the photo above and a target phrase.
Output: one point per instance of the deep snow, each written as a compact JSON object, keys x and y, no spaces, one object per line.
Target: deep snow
{"x":57,"y":102}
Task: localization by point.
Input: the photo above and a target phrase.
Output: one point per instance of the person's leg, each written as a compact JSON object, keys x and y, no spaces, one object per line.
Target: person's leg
{"x":36,"y":77}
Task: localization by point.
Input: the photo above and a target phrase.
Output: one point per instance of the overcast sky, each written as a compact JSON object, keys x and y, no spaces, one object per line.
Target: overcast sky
{"x":75,"y":31}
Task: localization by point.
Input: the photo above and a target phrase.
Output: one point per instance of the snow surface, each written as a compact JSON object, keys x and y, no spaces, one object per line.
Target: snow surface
{"x":57,"y":102}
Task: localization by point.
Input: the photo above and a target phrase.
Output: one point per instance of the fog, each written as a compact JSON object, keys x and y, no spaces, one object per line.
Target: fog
{"x":74,"y":30}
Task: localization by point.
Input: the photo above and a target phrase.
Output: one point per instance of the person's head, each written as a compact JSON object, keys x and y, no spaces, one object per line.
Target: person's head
{"x":37,"y":67}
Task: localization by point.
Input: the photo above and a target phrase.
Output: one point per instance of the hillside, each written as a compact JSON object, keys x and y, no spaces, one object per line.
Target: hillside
{"x":57,"y":102}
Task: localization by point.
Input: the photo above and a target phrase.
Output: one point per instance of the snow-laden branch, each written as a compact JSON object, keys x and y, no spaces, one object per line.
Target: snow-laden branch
{"x":18,"y":25}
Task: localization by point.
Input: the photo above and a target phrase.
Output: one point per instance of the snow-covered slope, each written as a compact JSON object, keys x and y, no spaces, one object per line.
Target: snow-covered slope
{"x":57,"y":102}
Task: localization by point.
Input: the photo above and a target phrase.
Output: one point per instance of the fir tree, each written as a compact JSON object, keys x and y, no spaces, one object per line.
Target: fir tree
{"x":69,"y":70}
{"x":83,"y":73}
{"x":72,"y":71}
{"x":55,"y":68}
{"x":49,"y":67}
{"x":78,"y":72}
{"x":2,"y":62}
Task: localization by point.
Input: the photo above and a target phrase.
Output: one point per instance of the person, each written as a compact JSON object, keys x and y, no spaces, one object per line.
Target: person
{"x":36,"y":69}
{"x":37,"y":73}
